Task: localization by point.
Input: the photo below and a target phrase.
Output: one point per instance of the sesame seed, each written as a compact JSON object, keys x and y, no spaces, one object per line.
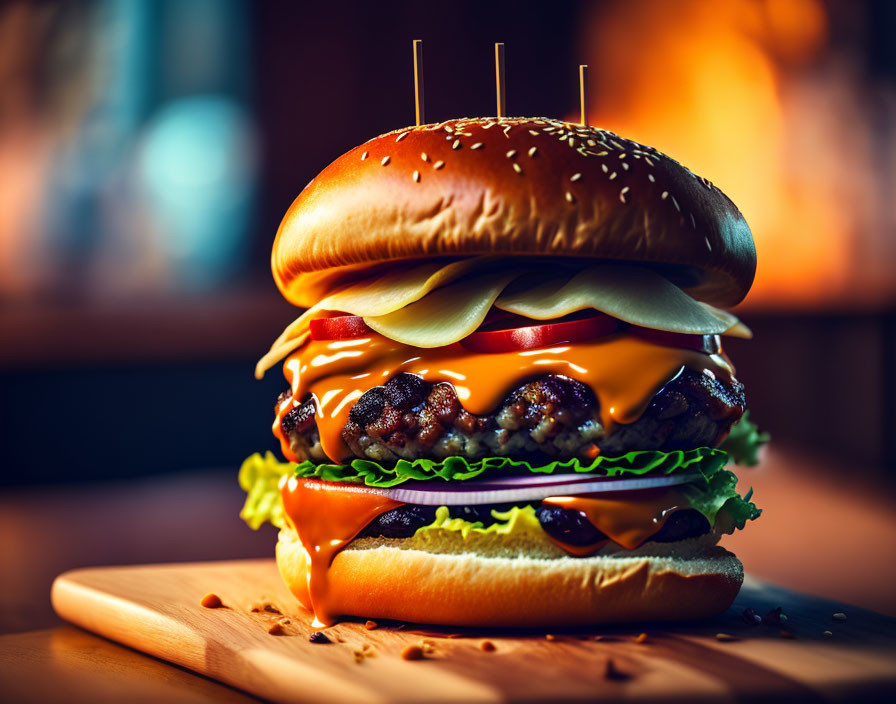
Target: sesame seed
{"x":385,"y":160}
{"x":365,"y":155}
{"x":612,"y":175}
{"x":448,"y":129}
{"x":622,"y":193}
{"x":623,"y":155}
{"x":693,"y":222}
{"x":456,"y":144}
{"x":401,"y":136}
{"x":651,"y":178}
{"x":649,"y":162}
{"x":506,"y":130}
{"x":478,"y":145}
{"x":534,"y":133}
{"x":575,"y":177}
{"x":604,"y":168}
{"x":438,"y":165}
{"x":511,"y":154}
{"x":417,"y":176}
{"x":517,"y":168}
{"x":708,"y":243}
{"x":664,"y":195}
{"x":603,"y":153}
{"x":592,"y":143}
{"x":625,"y":165}
{"x":533,"y":151}
{"x":839,"y":616}
{"x":424,"y":156}
{"x":675,"y":203}
{"x":572,"y":142}
{"x":570,"y":197}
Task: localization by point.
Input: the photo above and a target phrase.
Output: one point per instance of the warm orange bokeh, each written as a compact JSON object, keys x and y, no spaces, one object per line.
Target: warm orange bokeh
{"x":743,"y":92}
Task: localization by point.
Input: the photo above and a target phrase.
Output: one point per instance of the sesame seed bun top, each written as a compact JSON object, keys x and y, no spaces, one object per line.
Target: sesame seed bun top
{"x":516,"y":187}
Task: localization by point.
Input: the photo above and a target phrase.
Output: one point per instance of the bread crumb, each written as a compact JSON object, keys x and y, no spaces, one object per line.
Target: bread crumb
{"x":358,"y":655}
{"x":370,"y":625}
{"x":611,"y":672}
{"x":276,"y":629}
{"x":641,"y":638}
{"x":725,"y":637}
{"x":487,"y":646}
{"x":319,"y":637}
{"x":211,"y":601}
{"x":412,"y":652}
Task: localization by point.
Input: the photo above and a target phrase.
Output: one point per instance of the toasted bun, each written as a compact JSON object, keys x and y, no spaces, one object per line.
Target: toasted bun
{"x":475,"y":590}
{"x":514,"y":186}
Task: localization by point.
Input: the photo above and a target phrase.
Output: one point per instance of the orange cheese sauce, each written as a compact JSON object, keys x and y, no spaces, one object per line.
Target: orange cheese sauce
{"x":628,"y":518}
{"x":327,"y":516}
{"x":624,"y":371}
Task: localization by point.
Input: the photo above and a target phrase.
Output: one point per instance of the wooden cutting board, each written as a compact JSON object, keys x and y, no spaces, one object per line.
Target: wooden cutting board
{"x":156,"y":609}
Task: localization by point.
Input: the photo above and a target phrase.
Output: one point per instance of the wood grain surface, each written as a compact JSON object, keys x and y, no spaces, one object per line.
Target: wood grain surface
{"x":156,"y":609}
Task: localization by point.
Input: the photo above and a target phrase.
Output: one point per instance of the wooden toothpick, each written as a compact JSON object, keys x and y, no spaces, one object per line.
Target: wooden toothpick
{"x":418,"y":82}
{"x":499,"y":79}
{"x":583,"y":92}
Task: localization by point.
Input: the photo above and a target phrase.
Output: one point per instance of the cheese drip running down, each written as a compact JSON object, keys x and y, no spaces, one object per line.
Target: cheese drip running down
{"x":624,"y":372}
{"x":327,"y":516}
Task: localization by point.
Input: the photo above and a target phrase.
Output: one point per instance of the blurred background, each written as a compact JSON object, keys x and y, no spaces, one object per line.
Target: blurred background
{"x":149,"y":149}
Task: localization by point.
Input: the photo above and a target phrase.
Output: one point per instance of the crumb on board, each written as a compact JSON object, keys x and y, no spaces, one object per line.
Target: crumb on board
{"x":358,"y":656}
{"x":319,"y":637}
{"x":412,"y":652}
{"x":641,"y":638}
{"x":370,"y":625}
{"x":276,"y":629}
{"x":725,"y":637}
{"x":265,"y":606}
{"x":550,"y":636}
{"x":487,"y":646}
{"x":611,"y":672}
{"x":211,"y":601}
{"x":751,"y":617}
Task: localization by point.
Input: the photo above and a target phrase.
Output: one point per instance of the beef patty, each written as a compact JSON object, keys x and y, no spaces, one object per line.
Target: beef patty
{"x":548,"y":417}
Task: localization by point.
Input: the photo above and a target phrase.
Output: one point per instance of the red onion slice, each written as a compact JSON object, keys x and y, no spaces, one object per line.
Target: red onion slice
{"x":526,"y":488}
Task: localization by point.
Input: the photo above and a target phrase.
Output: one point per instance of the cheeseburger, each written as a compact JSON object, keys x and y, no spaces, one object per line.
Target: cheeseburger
{"x":508,"y":398}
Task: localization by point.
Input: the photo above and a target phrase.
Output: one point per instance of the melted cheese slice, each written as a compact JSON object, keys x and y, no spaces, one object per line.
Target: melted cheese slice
{"x":436,"y":304}
{"x":446,"y":315}
{"x":630,"y":293}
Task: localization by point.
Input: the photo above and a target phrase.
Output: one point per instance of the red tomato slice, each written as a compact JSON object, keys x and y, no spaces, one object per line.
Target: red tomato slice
{"x":340,"y":327}
{"x":543,"y":335}
{"x":708,"y":344}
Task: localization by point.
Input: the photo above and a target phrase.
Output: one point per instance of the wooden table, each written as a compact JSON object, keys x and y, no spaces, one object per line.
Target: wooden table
{"x":818,"y":535}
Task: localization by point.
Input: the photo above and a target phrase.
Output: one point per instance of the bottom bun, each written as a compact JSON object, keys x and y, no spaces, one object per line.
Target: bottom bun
{"x":475,"y":590}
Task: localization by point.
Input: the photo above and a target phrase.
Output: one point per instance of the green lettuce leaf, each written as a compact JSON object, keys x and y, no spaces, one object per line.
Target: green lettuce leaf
{"x":260,"y":479}
{"x":705,"y":460}
{"x":744,"y":442}
{"x":719,"y":492}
